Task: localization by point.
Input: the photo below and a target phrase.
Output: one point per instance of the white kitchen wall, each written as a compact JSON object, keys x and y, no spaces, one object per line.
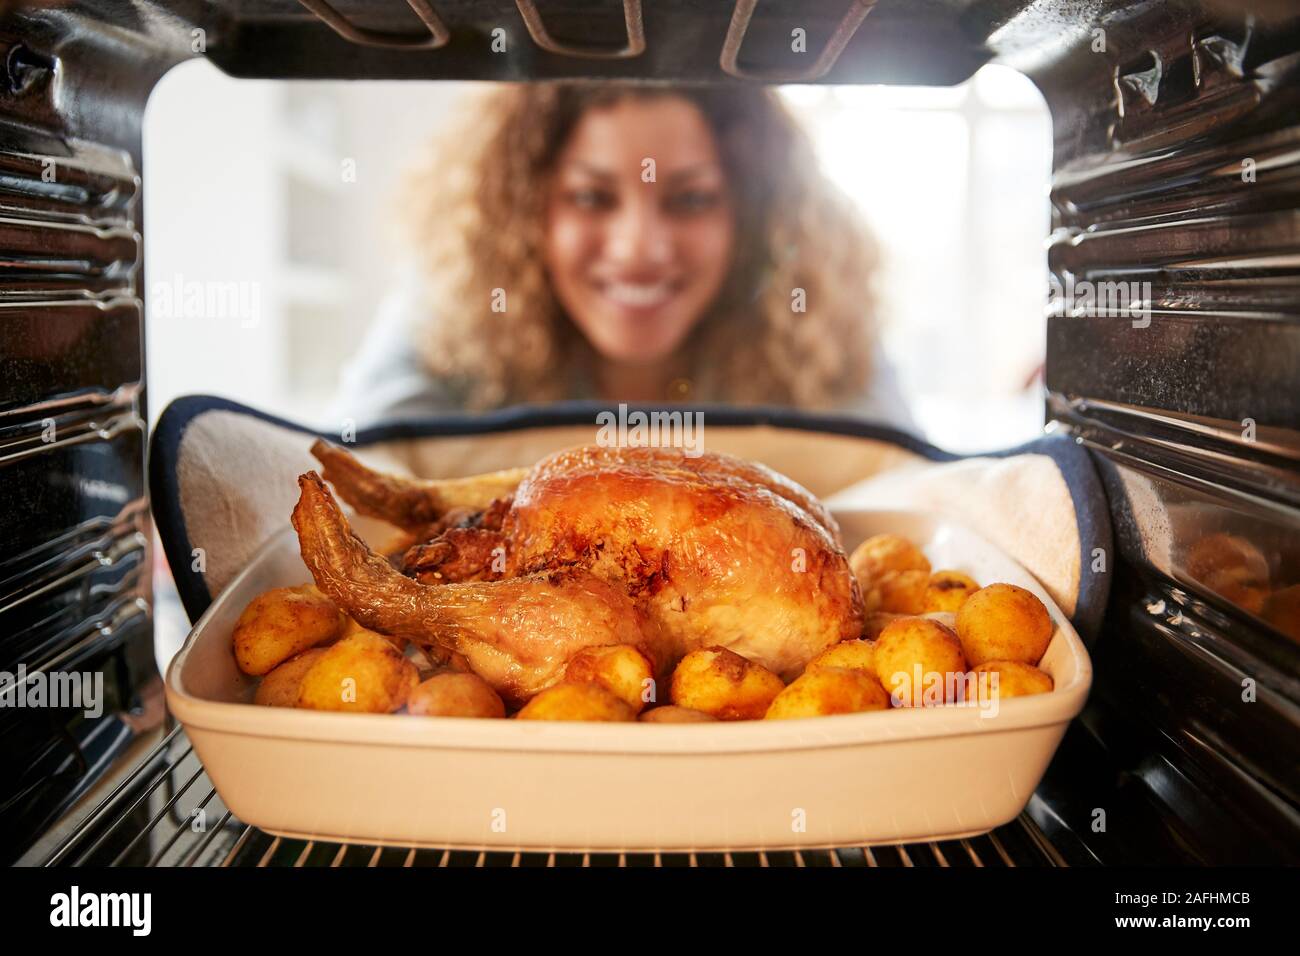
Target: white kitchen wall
{"x":283,"y":192}
{"x":954,"y":183}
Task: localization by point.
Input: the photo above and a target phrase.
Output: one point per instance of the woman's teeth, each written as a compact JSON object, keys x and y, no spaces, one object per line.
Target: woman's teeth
{"x":639,"y":295}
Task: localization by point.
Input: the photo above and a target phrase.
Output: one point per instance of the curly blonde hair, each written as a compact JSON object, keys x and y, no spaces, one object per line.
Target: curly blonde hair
{"x":475,"y":212}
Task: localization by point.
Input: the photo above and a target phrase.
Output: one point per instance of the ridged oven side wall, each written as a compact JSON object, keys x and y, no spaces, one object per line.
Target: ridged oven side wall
{"x":1177,"y":180}
{"x":74,"y":518}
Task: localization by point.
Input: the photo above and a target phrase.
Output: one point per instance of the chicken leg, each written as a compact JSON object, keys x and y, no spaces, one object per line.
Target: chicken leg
{"x":516,"y":634}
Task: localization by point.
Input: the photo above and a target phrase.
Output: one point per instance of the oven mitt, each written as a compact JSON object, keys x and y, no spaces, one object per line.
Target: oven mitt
{"x":223,"y":479}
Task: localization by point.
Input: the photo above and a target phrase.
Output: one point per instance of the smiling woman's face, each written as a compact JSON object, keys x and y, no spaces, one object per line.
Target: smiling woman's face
{"x":636,"y":264}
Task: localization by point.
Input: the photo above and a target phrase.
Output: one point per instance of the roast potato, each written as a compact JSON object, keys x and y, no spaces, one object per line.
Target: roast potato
{"x":585,"y":701}
{"x":455,"y":694}
{"x":351,"y":626}
{"x":283,"y":622}
{"x":722,"y":683}
{"x":1233,"y":568}
{"x":948,"y":590}
{"x":875,"y":622}
{"x":1014,"y":679}
{"x":280,"y":687}
{"x":947,"y":618}
{"x":1247,"y":594}
{"x":361,"y":673}
{"x":919,"y":662}
{"x":897,"y":592}
{"x":1003,"y":622}
{"x":1282,"y":610}
{"x":620,"y":668}
{"x":884,"y":554}
{"x":670,"y":714}
{"x":855,"y":655}
{"x":829,"y":690}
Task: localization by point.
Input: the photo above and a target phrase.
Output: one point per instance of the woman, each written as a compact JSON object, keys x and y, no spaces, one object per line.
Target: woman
{"x":628,"y":243}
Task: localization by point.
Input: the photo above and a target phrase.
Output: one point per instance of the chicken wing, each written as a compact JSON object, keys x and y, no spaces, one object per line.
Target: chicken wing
{"x":410,"y":503}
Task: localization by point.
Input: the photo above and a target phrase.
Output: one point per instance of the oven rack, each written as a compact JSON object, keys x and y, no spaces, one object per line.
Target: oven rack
{"x":167,"y":812}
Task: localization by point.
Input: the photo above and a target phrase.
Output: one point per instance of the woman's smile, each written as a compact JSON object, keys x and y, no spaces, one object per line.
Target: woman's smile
{"x":639,"y":299}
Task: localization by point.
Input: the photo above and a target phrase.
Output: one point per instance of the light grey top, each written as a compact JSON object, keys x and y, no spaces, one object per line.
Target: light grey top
{"x":387,"y":379}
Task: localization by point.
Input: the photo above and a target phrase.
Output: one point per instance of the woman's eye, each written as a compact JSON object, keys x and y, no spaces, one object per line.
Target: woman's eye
{"x":591,"y":199}
{"x":694,"y":200}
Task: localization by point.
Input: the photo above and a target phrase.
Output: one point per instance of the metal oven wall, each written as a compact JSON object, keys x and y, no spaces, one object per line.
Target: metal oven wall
{"x":74,"y":520}
{"x":1177,"y":174}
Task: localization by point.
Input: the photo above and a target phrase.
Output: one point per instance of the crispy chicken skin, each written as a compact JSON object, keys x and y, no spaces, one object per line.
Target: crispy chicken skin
{"x":701,"y":552}
{"x":457,"y":554}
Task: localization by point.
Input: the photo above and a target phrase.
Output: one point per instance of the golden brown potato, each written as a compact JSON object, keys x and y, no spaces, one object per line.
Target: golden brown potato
{"x":886,"y":554}
{"x":876,"y":622}
{"x":947,"y":618}
{"x":1233,"y":568}
{"x":1003,"y":622}
{"x":669,"y":714}
{"x":898,"y":592}
{"x":722,"y":683}
{"x":577,"y":702}
{"x":855,"y":655}
{"x":351,"y":626}
{"x":829,"y":690}
{"x":1216,"y":553}
{"x":280,"y":687}
{"x":620,"y":668}
{"x":362,"y":673}
{"x":1014,"y":679}
{"x":948,"y":590}
{"x":1246,"y":593}
{"x":455,"y":694}
{"x":1282,"y":610}
{"x":283,"y":622}
{"x":919,"y":662}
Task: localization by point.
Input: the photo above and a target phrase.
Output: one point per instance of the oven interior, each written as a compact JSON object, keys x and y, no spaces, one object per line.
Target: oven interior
{"x":1176,"y":164}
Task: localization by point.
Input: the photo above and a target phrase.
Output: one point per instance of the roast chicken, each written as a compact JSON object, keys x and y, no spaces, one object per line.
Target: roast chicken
{"x":519,"y":570}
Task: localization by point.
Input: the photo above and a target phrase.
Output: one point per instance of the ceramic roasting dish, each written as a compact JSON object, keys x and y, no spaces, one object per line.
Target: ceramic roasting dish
{"x":878,"y":777}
